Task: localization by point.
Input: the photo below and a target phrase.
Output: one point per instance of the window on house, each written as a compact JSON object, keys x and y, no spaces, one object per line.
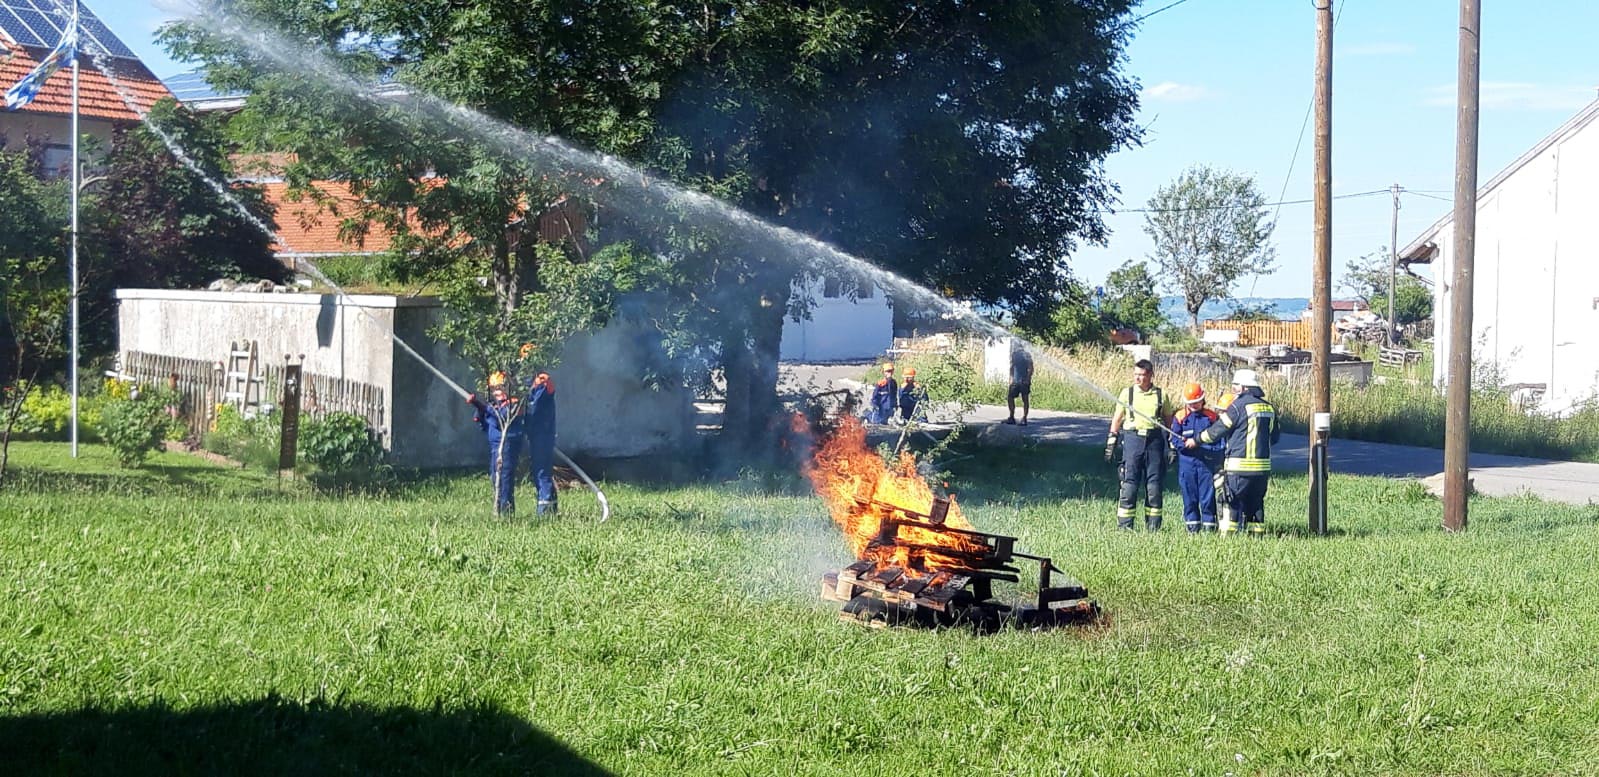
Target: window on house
{"x":56,"y":162}
{"x":831,"y":288}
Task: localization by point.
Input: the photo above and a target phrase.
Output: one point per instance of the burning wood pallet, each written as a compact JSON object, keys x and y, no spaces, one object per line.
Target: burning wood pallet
{"x":918,"y":569}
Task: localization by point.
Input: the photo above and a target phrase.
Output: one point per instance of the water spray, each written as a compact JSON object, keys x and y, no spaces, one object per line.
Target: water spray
{"x":624,"y":183}
{"x":103,"y":65}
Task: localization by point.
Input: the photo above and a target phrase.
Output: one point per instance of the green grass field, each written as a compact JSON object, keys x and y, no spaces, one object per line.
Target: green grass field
{"x":187,"y":618}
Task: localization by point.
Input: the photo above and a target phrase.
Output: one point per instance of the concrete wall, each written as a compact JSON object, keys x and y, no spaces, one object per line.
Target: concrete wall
{"x":1536,"y":293}
{"x":839,"y":329}
{"x":604,"y":409}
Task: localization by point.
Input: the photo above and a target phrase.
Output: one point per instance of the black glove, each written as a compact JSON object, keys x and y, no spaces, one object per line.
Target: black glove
{"x":1171,"y":456}
{"x":1110,"y":448}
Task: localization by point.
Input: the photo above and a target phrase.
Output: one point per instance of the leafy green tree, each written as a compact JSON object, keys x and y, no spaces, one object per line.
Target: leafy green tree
{"x":1367,"y":278}
{"x":1130,"y":299}
{"x":149,"y":221}
{"x":33,"y":284}
{"x":1210,"y":229}
{"x":958,"y":144}
{"x":1071,"y":321}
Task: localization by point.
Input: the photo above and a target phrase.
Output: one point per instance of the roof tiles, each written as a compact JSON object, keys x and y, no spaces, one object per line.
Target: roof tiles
{"x":97,"y":97}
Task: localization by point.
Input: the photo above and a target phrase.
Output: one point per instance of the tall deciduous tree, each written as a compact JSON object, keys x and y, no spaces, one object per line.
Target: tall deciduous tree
{"x":1210,"y":229}
{"x":1130,"y":299}
{"x":957,"y":143}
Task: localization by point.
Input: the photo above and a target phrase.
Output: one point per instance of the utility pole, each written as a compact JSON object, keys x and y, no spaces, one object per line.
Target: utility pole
{"x":1393,"y":268}
{"x":1321,"y":297}
{"x":1457,"y":421}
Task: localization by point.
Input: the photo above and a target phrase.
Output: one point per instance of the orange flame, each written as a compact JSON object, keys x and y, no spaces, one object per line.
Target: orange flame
{"x":843,"y":470}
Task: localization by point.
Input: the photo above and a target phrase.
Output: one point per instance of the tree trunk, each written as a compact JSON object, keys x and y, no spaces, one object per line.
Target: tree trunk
{"x":1193,"y":316}
{"x":749,"y":363}
{"x":507,"y":288}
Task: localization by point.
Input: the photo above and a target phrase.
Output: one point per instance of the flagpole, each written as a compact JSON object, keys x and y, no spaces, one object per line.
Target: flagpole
{"x":72,"y":373}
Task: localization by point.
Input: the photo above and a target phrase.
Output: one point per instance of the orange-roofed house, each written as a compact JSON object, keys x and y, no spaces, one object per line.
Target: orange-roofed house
{"x":114,"y":87}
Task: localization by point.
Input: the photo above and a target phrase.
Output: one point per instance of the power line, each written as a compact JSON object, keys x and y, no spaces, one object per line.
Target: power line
{"x":1167,"y":7}
{"x":1277,"y":205}
{"x":1428,"y":196}
{"x":1299,"y":143}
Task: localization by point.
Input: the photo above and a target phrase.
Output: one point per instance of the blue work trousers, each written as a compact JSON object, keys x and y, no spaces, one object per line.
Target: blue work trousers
{"x":1196,"y":478}
{"x":504,"y":458}
{"x":541,"y":449}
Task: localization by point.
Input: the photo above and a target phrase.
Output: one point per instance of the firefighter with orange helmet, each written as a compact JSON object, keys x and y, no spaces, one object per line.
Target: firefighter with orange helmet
{"x":541,"y":439}
{"x":502,"y":423}
{"x":1197,"y":466}
{"x":885,"y":397}
{"x":910,"y":395}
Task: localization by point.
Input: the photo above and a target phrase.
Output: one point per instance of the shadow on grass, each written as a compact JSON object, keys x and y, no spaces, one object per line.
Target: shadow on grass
{"x":273,"y":735}
{"x":151,"y":480}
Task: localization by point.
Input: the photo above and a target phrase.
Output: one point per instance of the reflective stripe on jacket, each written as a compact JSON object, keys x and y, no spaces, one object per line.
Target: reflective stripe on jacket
{"x":1250,"y":428}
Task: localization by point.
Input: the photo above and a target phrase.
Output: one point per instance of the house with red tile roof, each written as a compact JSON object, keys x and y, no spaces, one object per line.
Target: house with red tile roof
{"x":114,"y":87}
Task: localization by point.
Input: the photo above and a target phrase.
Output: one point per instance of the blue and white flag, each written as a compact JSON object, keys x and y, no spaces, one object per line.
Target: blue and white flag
{"x":23,"y":92}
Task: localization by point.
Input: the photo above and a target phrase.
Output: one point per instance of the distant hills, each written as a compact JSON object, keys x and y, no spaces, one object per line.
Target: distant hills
{"x":1287,"y":308}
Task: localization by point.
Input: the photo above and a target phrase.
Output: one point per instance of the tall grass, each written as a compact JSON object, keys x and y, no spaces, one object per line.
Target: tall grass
{"x":199,"y":626}
{"x":1393,"y":412}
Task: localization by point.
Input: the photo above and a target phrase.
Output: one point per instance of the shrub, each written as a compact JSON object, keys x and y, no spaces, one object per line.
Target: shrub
{"x":134,"y":426}
{"x":46,"y":412}
{"x":341,"y":448}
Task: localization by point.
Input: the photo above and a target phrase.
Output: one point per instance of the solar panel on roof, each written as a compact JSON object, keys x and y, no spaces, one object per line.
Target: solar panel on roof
{"x":40,"y":23}
{"x":16,"y":25}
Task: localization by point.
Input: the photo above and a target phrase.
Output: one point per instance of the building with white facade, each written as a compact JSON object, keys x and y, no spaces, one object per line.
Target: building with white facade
{"x":847,"y":323}
{"x":1536,"y":272}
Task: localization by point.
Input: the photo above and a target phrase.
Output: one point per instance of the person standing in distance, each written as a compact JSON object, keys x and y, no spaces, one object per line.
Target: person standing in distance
{"x":1138,"y":424}
{"x":1021,"y":381}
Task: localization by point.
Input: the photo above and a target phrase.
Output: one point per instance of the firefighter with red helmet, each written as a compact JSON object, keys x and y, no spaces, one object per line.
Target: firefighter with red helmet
{"x":1197,"y":466}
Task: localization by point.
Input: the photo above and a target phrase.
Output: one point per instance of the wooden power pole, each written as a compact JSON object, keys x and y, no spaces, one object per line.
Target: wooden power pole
{"x":1393,"y":268}
{"x":1457,"y":421}
{"x":1321,"y":295}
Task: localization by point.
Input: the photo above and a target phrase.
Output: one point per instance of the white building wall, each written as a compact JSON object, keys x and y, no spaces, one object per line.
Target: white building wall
{"x":839,"y":328}
{"x":1574,"y":285}
{"x":1536,"y":300}
{"x":604,"y":410}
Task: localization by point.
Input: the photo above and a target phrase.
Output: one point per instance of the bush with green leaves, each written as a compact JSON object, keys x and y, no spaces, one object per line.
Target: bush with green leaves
{"x":341,"y":448}
{"x":135,"y":425}
{"x":46,"y":412}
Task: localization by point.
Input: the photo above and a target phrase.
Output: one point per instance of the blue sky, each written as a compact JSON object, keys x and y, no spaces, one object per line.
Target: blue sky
{"x":1227,"y":83}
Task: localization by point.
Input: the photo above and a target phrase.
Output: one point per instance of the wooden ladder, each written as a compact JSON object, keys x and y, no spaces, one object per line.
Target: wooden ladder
{"x":242,"y":381}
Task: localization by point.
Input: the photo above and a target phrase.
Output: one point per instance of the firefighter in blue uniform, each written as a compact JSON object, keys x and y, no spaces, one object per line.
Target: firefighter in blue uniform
{"x":1196,"y":467}
{"x":885,"y":397}
{"x":1142,"y":412}
{"x":502,"y":423}
{"x":540,"y":414}
{"x":1250,"y":429}
{"x":910,"y":395}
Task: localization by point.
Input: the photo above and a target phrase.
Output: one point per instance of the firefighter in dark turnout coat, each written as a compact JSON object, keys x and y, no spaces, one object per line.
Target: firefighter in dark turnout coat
{"x":1250,"y":429}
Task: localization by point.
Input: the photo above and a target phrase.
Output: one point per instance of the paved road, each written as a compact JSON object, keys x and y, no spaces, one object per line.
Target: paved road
{"x":1495,"y":475}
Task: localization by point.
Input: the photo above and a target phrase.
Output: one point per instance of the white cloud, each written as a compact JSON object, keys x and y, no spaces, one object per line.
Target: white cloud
{"x":1517,"y":96}
{"x":1380,"y":49}
{"x":1171,"y":91}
